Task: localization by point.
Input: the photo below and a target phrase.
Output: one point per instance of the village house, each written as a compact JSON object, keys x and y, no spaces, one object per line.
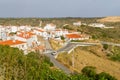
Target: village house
{"x":40,"y":32}
{"x":16,"y":43}
{"x":99,"y":25}
{"x":28,"y":37}
{"x":14,"y":29}
{"x":25,"y":28}
{"x":3,"y":35}
{"x":50,"y":27}
{"x":58,"y":33}
{"x":76,"y":36}
{"x":77,"y":23}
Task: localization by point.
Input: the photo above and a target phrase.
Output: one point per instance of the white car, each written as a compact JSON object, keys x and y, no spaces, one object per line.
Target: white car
{"x":54,"y":53}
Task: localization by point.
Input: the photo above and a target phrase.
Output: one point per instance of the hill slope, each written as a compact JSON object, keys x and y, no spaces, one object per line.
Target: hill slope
{"x":110,"y":19}
{"x":84,"y":58}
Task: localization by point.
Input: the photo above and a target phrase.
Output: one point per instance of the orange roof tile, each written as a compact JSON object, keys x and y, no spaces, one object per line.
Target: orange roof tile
{"x":73,"y":35}
{"x":40,"y":30}
{"x":11,"y":42}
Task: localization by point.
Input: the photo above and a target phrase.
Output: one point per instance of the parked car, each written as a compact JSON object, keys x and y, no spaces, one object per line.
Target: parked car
{"x":54,"y":53}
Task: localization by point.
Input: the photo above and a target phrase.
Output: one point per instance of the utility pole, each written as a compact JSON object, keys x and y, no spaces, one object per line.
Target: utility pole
{"x":73,"y":62}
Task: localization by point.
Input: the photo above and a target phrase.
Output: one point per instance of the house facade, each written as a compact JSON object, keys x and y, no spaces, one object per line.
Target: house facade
{"x":50,"y":27}
{"x":29,"y":37}
{"x":16,"y":43}
{"x":97,"y":25}
{"x":76,"y":36}
{"x":77,"y":23}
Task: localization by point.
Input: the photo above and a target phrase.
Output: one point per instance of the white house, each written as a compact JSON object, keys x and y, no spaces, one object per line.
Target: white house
{"x":3,"y":35}
{"x":50,"y":27}
{"x":28,"y":37}
{"x":97,"y":25}
{"x":25,"y":28}
{"x":76,"y":36}
{"x":16,"y":43}
{"x":14,"y":29}
{"x":77,"y":23}
{"x":59,"y":32}
{"x":40,"y":32}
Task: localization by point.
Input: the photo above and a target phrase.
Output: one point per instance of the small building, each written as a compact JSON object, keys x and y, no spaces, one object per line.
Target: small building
{"x":59,"y":32}
{"x":14,"y":29}
{"x":77,"y":23}
{"x":3,"y":35}
{"x":50,"y":27}
{"x":99,"y":25}
{"x":76,"y":36}
{"x":28,"y":37}
{"x":15,"y":43}
{"x":40,"y":32}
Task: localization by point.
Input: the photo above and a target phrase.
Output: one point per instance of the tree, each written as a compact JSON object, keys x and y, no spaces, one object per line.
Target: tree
{"x":105,"y":76}
{"x":89,"y":71}
{"x":105,"y":46}
{"x":62,"y":38}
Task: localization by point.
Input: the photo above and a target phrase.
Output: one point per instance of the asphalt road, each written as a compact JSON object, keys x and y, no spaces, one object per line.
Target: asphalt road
{"x":56,"y":63}
{"x":72,"y":45}
{"x":110,"y":43}
{"x":67,"y":48}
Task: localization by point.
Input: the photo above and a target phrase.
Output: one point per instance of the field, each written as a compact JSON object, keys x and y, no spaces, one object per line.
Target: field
{"x":110,"y":19}
{"x":55,"y":44}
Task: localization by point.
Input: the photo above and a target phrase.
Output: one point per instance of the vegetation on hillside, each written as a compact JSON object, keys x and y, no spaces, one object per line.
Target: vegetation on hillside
{"x":90,"y":56}
{"x":35,"y":21}
{"x":113,"y":52}
{"x":14,"y":65}
{"x":108,"y":35}
{"x":55,"y":44}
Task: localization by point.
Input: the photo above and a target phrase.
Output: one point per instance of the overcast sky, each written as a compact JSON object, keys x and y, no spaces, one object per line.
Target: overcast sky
{"x":59,"y":8}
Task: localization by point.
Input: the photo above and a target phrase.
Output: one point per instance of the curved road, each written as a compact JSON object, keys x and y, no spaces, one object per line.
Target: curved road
{"x":110,"y":43}
{"x":67,"y":48}
{"x":56,"y":63}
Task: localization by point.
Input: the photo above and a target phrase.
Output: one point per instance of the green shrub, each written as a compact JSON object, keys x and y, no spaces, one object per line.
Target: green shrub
{"x":105,"y":46}
{"x":105,"y":76}
{"x":89,"y":71}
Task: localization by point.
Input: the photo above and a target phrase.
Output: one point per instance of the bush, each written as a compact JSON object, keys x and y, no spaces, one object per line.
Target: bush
{"x":62,"y":38}
{"x":89,"y":71}
{"x":105,"y":76}
{"x":105,"y":46}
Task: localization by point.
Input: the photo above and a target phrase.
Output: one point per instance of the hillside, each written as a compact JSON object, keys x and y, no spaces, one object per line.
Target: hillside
{"x":83,"y":57}
{"x":110,"y":19}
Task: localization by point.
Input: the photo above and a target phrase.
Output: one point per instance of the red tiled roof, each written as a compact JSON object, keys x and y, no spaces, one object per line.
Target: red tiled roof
{"x":73,"y":35}
{"x":11,"y":42}
{"x":40,"y":30}
{"x":25,"y":34}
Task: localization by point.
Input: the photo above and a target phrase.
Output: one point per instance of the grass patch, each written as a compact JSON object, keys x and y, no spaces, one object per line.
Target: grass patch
{"x":83,"y":57}
{"x":55,"y":44}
